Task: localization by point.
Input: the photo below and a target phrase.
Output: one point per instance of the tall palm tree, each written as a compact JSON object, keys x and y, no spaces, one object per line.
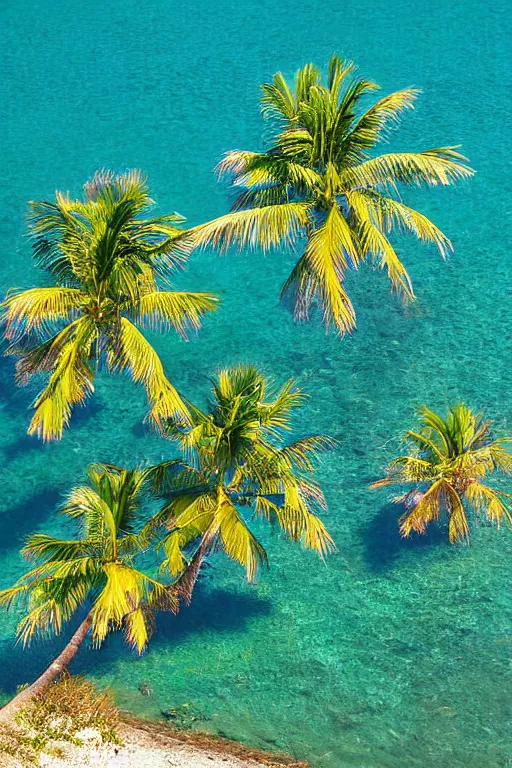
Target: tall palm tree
{"x":235,"y":462}
{"x":96,"y":571}
{"x":448,"y":463}
{"x":107,"y":259}
{"x":321,"y":187}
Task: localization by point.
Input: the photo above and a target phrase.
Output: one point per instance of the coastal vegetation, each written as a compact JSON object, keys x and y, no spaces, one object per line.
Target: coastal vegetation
{"x":448,"y":462}
{"x":237,"y":461}
{"x":68,"y":711}
{"x":321,"y":188}
{"x":95,"y":573}
{"x":108,"y":262}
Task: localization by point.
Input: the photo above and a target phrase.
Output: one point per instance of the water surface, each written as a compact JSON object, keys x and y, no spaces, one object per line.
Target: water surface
{"x":394,"y":654}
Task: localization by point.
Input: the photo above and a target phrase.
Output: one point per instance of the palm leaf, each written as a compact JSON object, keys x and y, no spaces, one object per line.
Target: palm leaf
{"x":135,"y":354}
{"x":301,"y":452}
{"x":376,"y":122}
{"x":440,"y":166}
{"x":327,"y":254}
{"x":181,"y":310}
{"x":38,"y":309}
{"x":428,"y":508}
{"x":489,"y":502}
{"x":41,"y":546}
{"x":70,"y":383}
{"x":260,"y":227}
{"x":237,"y":540}
{"x":458,"y":528}
{"x":278,"y":101}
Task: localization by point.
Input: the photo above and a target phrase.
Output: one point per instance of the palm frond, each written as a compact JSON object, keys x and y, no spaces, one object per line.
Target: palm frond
{"x":259,"y":227}
{"x":276,"y":413}
{"x":458,"y":528}
{"x":44,"y":356}
{"x":278,"y":101}
{"x":486,"y":501}
{"x":296,"y":519}
{"x":268,"y":171}
{"x":237,"y":540}
{"x":434,"y":167}
{"x":70,"y":383}
{"x":501,"y":457}
{"x":133,"y":353}
{"x":303,"y":451}
{"x":374,"y":125}
{"x":428,"y":508}
{"x":316,"y":536}
{"x":41,"y":546}
{"x":406,"y":469}
{"x":329,"y":251}
{"x":388,"y":215}
{"x":39,"y":619}
{"x":38,"y":309}
{"x":61,"y":238}
{"x":180,"y":310}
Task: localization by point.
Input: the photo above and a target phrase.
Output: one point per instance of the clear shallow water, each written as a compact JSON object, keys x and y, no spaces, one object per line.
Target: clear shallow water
{"x":395,"y":654}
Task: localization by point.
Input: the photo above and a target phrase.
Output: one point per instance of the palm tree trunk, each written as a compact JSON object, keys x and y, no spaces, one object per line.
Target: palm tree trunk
{"x":49,"y":675}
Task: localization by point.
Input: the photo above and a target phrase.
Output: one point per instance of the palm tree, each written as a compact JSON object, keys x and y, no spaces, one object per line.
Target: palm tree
{"x":97,"y":571}
{"x":235,"y":462}
{"x":449,"y":461}
{"x":106,"y":260}
{"x":319,"y":186}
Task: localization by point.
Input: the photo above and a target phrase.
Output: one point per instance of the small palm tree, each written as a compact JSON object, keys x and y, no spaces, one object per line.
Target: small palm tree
{"x":236,"y":462}
{"x":450,"y":459}
{"x":97,"y":571}
{"x":319,"y":184}
{"x":106,"y":259}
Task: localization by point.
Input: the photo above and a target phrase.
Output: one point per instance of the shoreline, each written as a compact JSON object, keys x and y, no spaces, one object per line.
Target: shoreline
{"x":164,"y":735}
{"x":144,"y":744}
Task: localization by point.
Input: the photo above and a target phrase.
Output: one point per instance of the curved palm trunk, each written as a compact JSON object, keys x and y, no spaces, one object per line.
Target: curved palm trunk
{"x":49,"y":675}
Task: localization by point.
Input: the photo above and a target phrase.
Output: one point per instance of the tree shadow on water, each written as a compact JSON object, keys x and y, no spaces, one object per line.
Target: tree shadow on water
{"x":14,"y":398}
{"x":218,"y":610}
{"x":84,"y":413}
{"x":19,"y":521}
{"x":22,"y":446}
{"x":215,"y":610}
{"x":384,"y":542}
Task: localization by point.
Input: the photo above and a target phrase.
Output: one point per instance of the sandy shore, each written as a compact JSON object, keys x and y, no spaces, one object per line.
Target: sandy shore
{"x":154,"y":745}
{"x":141,"y":750}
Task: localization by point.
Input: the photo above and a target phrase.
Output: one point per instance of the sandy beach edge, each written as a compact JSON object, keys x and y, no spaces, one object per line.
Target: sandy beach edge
{"x":164,"y":736}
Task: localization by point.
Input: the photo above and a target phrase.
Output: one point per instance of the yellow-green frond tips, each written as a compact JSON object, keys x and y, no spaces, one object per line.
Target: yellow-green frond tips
{"x":126,"y":601}
{"x":183,"y":311}
{"x":70,"y":383}
{"x":135,"y":355}
{"x":434,"y":167}
{"x":323,"y":156}
{"x":450,"y":457}
{"x":111,"y":261}
{"x":237,"y":540}
{"x":330,"y":250}
{"x":98,"y":569}
{"x":237,"y":464}
{"x":38,"y":309}
{"x":263,"y":227}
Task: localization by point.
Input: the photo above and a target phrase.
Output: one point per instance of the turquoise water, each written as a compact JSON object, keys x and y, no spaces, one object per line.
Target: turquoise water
{"x":394,"y":654}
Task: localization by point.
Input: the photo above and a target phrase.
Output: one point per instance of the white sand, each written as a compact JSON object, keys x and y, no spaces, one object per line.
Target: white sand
{"x":139,"y":750}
